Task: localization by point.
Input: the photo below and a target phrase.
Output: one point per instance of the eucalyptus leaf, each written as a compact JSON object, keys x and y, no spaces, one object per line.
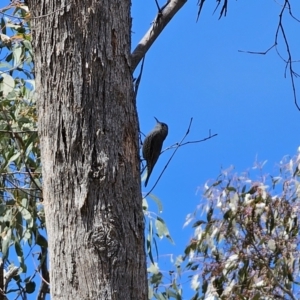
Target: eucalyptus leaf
{"x":7,"y":84}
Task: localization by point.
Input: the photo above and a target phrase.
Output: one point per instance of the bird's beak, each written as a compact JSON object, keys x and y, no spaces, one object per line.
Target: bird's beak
{"x":156,"y":120}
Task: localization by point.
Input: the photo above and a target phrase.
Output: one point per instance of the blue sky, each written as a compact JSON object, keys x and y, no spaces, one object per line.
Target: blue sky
{"x":195,"y":70}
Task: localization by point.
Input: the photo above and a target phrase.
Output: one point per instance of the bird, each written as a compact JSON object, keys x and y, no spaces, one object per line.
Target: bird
{"x":152,"y":146}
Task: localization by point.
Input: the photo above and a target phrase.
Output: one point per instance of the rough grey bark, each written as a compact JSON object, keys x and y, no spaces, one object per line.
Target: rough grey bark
{"x":88,"y":131}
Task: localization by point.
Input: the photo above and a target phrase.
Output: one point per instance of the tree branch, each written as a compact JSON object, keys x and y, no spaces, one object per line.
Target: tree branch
{"x":163,"y":17}
{"x":289,"y":60}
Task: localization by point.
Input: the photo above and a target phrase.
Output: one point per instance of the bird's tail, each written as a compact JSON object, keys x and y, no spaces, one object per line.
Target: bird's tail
{"x":149,"y":171}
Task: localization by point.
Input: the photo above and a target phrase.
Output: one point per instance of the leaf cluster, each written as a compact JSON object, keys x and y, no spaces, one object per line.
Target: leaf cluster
{"x":22,"y":219}
{"x":247,"y":246}
{"x":159,"y":286}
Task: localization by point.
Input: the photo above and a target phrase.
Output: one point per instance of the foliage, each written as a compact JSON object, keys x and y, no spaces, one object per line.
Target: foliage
{"x":21,"y":214}
{"x":247,"y":246}
{"x":155,"y":227}
{"x":245,"y":243}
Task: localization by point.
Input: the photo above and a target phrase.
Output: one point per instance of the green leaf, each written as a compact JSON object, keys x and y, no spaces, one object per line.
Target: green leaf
{"x":12,"y":25}
{"x":209,"y":214}
{"x":231,"y":189}
{"x":160,"y":296}
{"x":156,"y":248}
{"x":198,"y":223}
{"x":6,"y":241}
{"x":173,"y":294}
{"x":228,"y":214}
{"x":272,"y":245}
{"x":27,"y":45}
{"x":9,"y":57}
{"x":19,"y":225}
{"x":4,"y":64}
{"x":179,"y":260}
{"x":153,"y":269}
{"x":217,"y":183}
{"x":157,"y":201}
{"x":13,"y":157}
{"x":145,"y":204}
{"x":25,"y":203}
{"x":27,"y":235}
{"x":162,"y":229}
{"x":156,"y":278}
{"x":18,"y":249}
{"x":26,"y":216}
{"x":7,"y":84}
{"x":17,"y":52}
{"x":30,"y":287}
{"x":150,"y":292}
{"x":149,"y":242}
{"x":195,"y":282}
{"x":11,"y":96}
{"x":191,"y":247}
{"x":3,"y":25}
{"x":256,"y":297}
{"x":41,"y":241}
{"x":2,"y":208}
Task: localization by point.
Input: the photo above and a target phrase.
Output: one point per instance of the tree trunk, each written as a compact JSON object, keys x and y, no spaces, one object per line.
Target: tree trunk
{"x":88,"y":131}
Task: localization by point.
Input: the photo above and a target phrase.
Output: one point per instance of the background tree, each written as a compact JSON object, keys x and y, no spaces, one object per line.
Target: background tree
{"x":247,"y":246}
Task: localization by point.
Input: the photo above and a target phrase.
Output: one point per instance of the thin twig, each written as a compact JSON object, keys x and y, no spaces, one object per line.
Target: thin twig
{"x":289,"y":61}
{"x":17,"y":132}
{"x":18,"y":172}
{"x":256,"y":52}
{"x":138,"y":80}
{"x":190,"y":142}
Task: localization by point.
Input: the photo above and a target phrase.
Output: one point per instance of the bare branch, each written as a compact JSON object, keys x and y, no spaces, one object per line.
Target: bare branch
{"x":138,"y":80}
{"x":17,"y":132}
{"x":177,"y":145}
{"x":256,"y":52}
{"x":289,"y":61}
{"x":163,"y":17}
